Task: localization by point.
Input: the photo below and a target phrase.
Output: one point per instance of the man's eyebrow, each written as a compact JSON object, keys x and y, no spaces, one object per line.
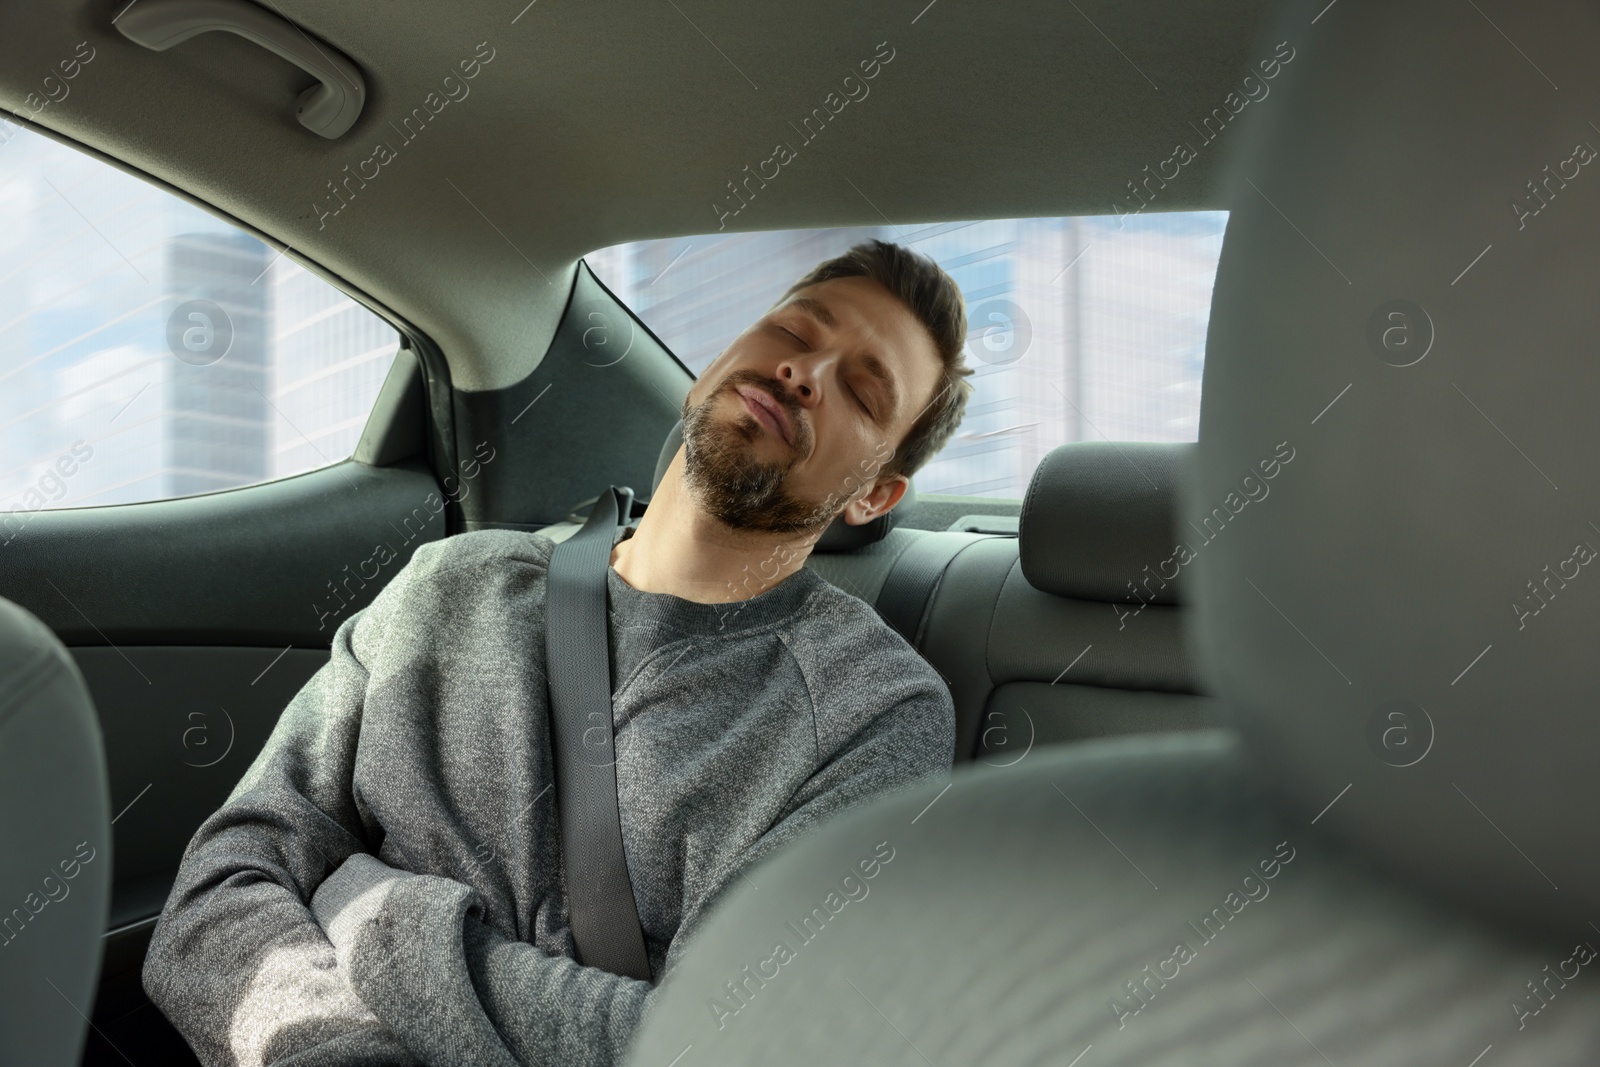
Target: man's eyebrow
{"x":817,"y":309}
{"x":874,"y":366}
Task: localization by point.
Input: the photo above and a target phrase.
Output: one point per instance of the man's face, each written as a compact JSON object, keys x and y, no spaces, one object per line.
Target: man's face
{"x":813,"y":356}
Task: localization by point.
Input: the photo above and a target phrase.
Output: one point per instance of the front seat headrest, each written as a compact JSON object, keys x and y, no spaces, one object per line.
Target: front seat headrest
{"x":1405,"y":305}
{"x":1099,"y":522}
{"x":840,"y":536}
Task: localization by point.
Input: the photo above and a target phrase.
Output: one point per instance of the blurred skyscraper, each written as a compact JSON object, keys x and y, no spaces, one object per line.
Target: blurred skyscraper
{"x":217,"y":425}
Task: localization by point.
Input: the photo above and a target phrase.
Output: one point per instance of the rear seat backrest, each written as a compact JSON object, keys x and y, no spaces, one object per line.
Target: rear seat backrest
{"x":1073,"y":630}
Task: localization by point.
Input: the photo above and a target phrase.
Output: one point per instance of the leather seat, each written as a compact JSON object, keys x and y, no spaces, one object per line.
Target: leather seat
{"x":1387,"y":858}
{"x":1069,"y":631}
{"x":55,"y":841}
{"x":1034,"y":914}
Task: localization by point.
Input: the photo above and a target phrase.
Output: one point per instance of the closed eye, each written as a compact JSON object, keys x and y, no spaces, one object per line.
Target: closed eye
{"x":859,"y":402}
{"x":854,"y":395}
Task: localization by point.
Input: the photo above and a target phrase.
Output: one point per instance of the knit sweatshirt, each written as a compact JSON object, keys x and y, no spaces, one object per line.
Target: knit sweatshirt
{"x":384,"y":885}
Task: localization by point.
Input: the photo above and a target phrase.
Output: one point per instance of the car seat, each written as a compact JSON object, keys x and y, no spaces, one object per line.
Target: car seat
{"x":1388,"y":859}
{"x":55,"y":846}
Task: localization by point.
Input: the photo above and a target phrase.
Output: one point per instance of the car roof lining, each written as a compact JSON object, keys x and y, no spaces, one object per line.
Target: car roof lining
{"x":475,"y":226}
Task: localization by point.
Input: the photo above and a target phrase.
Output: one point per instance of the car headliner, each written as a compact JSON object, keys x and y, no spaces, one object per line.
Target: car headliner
{"x":599,"y":123}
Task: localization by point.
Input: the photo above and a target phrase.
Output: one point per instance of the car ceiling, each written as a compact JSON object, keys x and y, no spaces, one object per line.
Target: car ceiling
{"x":596,"y":123}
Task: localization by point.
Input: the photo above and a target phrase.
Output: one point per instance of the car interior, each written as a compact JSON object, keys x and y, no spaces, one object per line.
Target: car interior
{"x":1143,"y":731}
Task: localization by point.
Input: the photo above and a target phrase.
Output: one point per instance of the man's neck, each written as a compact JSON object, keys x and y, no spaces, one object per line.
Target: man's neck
{"x":678,"y":549}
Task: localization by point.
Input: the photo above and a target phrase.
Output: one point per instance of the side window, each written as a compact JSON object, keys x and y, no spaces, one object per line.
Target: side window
{"x":1079,"y":328}
{"x":149,"y":350}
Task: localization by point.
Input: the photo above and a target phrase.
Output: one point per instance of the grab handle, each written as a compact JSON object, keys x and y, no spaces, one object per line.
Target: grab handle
{"x":329,"y":109}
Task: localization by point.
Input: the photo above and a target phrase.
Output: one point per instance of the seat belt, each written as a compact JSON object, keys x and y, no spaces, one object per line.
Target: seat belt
{"x":603,"y":912}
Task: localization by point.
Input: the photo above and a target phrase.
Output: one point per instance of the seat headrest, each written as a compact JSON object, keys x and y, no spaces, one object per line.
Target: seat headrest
{"x":1100,"y":522}
{"x":1406,"y":629}
{"x":840,"y":536}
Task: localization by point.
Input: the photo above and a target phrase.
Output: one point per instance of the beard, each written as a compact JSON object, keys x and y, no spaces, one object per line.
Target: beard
{"x":730,"y":482}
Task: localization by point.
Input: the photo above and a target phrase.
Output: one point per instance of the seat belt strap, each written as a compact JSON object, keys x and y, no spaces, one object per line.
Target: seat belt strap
{"x":600,"y":900}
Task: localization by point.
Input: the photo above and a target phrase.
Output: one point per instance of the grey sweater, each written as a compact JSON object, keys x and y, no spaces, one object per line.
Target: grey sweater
{"x":384,"y":884}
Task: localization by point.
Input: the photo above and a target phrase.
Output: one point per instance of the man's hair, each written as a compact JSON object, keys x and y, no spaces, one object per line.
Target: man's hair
{"x":936,"y":301}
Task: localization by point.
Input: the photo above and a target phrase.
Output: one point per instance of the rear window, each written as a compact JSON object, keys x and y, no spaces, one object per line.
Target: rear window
{"x":150,"y":350}
{"x":1080,"y":328}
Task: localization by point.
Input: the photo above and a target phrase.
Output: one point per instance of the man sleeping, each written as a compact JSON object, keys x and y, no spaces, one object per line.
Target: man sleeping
{"x":384,"y":885}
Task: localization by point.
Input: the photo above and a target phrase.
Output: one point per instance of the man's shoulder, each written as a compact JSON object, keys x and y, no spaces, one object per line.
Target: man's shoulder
{"x":847,"y":645}
{"x":453,"y":585}
{"x":835,"y":616}
{"x":464,"y":554}
{"x":864,"y":676}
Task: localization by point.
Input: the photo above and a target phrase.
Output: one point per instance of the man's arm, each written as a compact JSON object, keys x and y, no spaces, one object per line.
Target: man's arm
{"x":415,"y":945}
{"x":237,"y":963}
{"x":457,"y":991}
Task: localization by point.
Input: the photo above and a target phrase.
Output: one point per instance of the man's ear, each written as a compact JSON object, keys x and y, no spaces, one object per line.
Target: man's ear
{"x":882,"y":497}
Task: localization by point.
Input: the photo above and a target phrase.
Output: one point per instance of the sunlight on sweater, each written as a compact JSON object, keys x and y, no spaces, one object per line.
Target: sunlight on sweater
{"x":296,"y":987}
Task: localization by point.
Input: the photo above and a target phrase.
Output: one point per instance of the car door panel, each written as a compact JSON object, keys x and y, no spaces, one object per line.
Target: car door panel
{"x":194,"y":622}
